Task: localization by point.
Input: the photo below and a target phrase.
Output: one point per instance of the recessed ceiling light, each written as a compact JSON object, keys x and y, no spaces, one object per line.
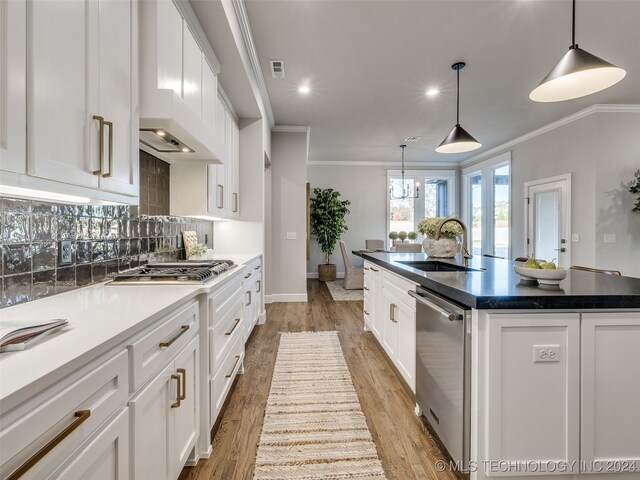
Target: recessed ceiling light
{"x":304,"y":89}
{"x":432,"y":92}
{"x":160,"y":133}
{"x":186,"y":150}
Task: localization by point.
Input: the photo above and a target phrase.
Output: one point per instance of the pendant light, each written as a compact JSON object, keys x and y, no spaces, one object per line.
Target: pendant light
{"x":405,"y":189}
{"x":459,"y":140}
{"x":577,"y":74}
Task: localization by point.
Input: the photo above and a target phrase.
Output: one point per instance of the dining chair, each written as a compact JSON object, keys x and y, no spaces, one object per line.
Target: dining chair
{"x":408,"y":248}
{"x":596,"y":270}
{"x":353,"y":276}
{"x":374,"y":244}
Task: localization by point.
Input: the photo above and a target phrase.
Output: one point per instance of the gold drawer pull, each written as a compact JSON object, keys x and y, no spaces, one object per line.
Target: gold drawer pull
{"x":375,"y":269}
{"x":81,"y":416}
{"x":237,"y":321}
{"x":257,"y":268}
{"x":247,"y":275}
{"x":183,"y":372}
{"x":249,"y":302}
{"x":178,"y":396}
{"x":258,"y":286}
{"x":235,"y":202}
{"x":220,"y":194}
{"x":234,"y":367}
{"x":392,"y":313}
{"x":110,"y":172}
{"x":183,"y":330}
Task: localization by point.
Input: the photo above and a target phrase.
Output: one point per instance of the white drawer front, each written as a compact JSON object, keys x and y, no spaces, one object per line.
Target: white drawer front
{"x":222,"y":381}
{"x":223,"y":336}
{"x":223,"y":300}
{"x":101,"y":388}
{"x":399,"y":287}
{"x":157,"y":347}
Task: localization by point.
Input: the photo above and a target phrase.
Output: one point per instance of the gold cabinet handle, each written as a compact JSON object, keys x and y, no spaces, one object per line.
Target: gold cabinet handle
{"x":100,"y":144}
{"x":366,"y":313}
{"x":392,"y":313}
{"x":257,"y":268}
{"x":375,"y":269}
{"x":110,"y":172}
{"x":176,"y":377}
{"x":247,"y":275}
{"x":366,"y":268}
{"x":183,"y":372}
{"x":249,"y":302}
{"x":366,"y":288}
{"x":167,"y":343}
{"x":234,"y":367}
{"x":81,"y":416}
{"x":259,"y":286}
{"x":235,"y":202}
{"x":237,"y":321}
{"x":220,"y":199}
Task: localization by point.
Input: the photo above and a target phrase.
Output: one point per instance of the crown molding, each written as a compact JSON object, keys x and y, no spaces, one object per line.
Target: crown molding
{"x":422,"y":165}
{"x":291,"y":129}
{"x":245,"y":28}
{"x":599,"y":108}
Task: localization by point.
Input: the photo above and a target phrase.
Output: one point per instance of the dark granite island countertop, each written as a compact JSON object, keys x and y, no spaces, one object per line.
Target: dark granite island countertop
{"x":497,"y":286}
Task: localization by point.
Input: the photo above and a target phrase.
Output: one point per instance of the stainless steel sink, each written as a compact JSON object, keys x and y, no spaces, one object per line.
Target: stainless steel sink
{"x":436,"y":266}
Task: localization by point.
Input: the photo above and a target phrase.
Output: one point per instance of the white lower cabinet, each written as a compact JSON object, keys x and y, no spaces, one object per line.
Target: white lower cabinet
{"x":165,"y":418}
{"x":252,"y":303}
{"x":610,"y":385}
{"x":106,"y":457}
{"x":390,"y":313}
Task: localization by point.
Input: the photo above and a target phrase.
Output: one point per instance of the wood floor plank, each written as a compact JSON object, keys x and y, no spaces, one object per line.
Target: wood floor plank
{"x":406,"y":448}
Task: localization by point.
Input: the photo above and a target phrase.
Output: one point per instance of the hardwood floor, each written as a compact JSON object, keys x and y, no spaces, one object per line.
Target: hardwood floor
{"x":406,"y":448}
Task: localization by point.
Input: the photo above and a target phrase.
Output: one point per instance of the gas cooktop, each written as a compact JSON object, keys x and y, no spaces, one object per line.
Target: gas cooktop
{"x":184,"y":272}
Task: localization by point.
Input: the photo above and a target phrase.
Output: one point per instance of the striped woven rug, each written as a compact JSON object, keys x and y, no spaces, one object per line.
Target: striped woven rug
{"x":314,"y":427}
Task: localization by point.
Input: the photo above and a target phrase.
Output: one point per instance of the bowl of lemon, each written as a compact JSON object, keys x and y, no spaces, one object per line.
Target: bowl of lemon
{"x":541,"y":271}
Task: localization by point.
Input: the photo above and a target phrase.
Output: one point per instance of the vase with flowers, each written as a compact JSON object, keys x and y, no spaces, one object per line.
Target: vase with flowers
{"x":447,"y":245}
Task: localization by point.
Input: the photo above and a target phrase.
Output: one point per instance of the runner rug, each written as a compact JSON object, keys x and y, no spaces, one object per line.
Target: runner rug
{"x":314,"y":427}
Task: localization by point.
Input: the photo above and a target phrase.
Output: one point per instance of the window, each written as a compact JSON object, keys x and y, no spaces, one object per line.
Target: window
{"x":487,"y":206}
{"x":436,"y":198}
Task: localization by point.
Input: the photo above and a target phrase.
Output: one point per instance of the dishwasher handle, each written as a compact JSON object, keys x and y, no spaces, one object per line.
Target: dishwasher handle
{"x":448,"y":315}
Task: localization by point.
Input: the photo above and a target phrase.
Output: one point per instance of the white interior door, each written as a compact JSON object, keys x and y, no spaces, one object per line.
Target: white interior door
{"x":548,"y":219}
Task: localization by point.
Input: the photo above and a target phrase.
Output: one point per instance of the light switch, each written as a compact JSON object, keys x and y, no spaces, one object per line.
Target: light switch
{"x":575,"y":237}
{"x":292,"y":235}
{"x":609,"y":238}
{"x":546,"y":353}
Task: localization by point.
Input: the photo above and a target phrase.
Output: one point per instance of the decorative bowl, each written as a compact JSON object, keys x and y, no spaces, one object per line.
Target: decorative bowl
{"x":543,"y":276}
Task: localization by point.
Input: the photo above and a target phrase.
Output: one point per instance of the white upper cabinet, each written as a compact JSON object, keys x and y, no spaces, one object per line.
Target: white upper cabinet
{"x":209,"y":95}
{"x":13,"y":62}
{"x":69,"y":90}
{"x":168,"y":38}
{"x":192,"y":72}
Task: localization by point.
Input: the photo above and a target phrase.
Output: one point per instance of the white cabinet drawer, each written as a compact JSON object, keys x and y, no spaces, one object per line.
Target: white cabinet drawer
{"x":106,"y":457}
{"x":222,"y":381}
{"x":222,"y":301}
{"x":252,"y":271}
{"x":156,"y":348}
{"x":77,"y":409}
{"x":223,"y":336}
{"x":398,"y":287}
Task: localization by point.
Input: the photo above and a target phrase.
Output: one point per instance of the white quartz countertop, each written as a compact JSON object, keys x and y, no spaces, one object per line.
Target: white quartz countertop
{"x":100,"y":317}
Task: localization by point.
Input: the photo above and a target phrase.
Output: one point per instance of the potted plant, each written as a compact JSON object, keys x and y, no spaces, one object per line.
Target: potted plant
{"x":402,"y":235}
{"x":196,"y":252}
{"x":393,"y":236}
{"x":412,"y":236}
{"x":447,"y":245}
{"x":327,"y":224}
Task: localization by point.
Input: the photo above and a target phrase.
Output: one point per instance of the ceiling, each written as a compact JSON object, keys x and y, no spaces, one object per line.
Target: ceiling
{"x":369,"y":63}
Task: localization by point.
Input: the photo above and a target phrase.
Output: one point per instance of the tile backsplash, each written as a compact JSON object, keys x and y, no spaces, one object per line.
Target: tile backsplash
{"x":105,"y":240}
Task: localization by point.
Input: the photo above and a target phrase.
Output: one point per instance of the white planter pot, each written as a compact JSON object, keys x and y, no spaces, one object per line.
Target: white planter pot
{"x":443,"y":248}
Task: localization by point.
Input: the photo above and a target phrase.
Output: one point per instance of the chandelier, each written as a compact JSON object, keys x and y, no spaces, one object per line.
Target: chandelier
{"x":406,"y":189}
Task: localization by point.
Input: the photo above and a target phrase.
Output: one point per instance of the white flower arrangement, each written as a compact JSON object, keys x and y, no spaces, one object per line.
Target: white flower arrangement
{"x":427,"y":227}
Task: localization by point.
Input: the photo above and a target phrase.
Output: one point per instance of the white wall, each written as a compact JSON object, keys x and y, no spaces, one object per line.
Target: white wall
{"x":601,"y":151}
{"x":286,"y":278}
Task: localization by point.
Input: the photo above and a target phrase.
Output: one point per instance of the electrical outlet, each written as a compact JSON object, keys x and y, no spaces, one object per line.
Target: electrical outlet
{"x":65,"y":252}
{"x":546,"y":353}
{"x":575,"y":237}
{"x":292,"y":235}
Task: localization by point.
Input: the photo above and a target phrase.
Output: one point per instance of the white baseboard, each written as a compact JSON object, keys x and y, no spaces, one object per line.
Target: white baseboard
{"x":315,"y":274}
{"x":262,"y":318}
{"x":285,"y":297}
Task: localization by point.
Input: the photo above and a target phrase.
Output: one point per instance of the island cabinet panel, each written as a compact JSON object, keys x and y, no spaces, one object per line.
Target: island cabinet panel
{"x":372,"y":299}
{"x":610,"y":423}
{"x":532,"y":388}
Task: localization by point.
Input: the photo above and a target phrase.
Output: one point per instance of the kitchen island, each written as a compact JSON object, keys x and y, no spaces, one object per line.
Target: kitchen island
{"x":515,"y":378}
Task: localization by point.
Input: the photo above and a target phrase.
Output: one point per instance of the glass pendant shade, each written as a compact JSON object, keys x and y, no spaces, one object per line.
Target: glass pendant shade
{"x":458,"y":141}
{"x":576,"y":75}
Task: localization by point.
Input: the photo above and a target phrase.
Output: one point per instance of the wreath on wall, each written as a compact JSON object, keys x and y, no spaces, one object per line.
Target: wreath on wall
{"x":634,"y":187}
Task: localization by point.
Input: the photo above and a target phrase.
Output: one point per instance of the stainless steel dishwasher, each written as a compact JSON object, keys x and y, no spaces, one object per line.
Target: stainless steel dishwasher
{"x":443,"y":370}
